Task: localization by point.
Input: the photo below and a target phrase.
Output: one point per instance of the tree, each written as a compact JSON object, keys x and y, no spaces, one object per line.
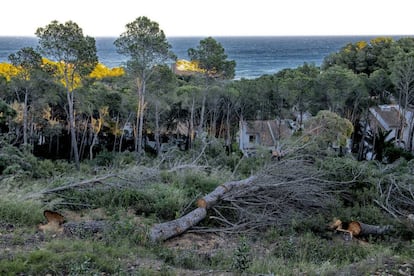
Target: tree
{"x":211,"y":58}
{"x":65,"y":43}
{"x":163,"y":83}
{"x":28,"y":61}
{"x":403,"y":79}
{"x":299,"y":83}
{"x":380,"y":86}
{"x":329,"y":128}
{"x":5,"y":113}
{"x":146,"y":46}
{"x":339,"y":90}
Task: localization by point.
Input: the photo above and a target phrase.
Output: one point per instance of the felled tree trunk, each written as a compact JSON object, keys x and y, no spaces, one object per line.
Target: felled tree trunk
{"x":367,"y":229}
{"x":166,"y":230}
{"x":212,"y":198}
{"x":356,"y":228}
{"x":85,"y":229}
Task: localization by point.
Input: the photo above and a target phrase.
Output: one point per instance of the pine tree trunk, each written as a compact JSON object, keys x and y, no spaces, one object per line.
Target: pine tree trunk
{"x":26,"y":96}
{"x":157,"y":129}
{"x":72,"y":126}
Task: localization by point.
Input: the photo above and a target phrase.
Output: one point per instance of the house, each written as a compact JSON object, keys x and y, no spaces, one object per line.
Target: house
{"x":263,"y":134}
{"x":386,"y":117}
{"x":393,"y":118}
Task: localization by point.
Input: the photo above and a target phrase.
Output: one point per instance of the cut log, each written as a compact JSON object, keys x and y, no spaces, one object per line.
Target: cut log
{"x":85,"y":229}
{"x":356,"y":228}
{"x":166,"y":230}
{"x":367,"y":229}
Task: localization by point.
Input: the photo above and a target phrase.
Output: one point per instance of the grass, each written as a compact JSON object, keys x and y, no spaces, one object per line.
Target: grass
{"x":15,"y":211}
{"x":66,"y":257}
{"x":124,"y":249}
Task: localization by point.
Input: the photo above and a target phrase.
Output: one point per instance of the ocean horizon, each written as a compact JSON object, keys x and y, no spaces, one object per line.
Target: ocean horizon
{"x":254,"y":55}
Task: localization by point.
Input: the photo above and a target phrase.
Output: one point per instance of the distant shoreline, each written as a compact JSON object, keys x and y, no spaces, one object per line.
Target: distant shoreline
{"x":255,"y":56}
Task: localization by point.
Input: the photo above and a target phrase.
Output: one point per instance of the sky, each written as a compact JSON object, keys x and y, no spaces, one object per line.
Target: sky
{"x":214,"y":17}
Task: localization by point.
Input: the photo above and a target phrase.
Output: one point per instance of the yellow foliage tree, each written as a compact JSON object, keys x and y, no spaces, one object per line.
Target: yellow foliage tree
{"x":101,"y":72}
{"x":188,"y":66}
{"x":8,"y":70}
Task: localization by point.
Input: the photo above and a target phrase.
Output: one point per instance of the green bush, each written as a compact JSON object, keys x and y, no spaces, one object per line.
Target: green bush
{"x":242,"y":257}
{"x":194,"y":184}
{"x":13,"y":211}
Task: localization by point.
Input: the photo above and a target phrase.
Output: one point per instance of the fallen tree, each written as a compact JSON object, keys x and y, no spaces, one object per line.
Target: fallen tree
{"x":289,"y":188}
{"x":166,"y":230}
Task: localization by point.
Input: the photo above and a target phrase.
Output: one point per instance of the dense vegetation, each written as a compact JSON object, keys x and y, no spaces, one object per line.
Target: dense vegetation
{"x":65,"y":118}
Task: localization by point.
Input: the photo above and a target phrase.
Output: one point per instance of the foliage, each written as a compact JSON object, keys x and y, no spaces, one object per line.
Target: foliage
{"x":330,"y":128}
{"x":146,"y":46}
{"x":188,"y":66}
{"x":211,"y":57}
{"x":20,"y":162}
{"x":194,"y":184}
{"x":66,"y":43}
{"x":6,"y":112}
{"x":15,"y":211}
{"x":8,"y":70}
{"x":242,"y":257}
{"x":101,"y":72}
{"x":66,"y":257}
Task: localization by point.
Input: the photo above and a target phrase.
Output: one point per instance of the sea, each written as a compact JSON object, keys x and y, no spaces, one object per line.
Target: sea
{"x":254,"y":56}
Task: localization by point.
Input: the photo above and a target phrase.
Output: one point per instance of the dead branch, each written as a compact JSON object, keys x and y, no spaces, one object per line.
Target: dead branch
{"x":395,"y":197}
{"x":78,"y":184}
{"x":293,"y":187}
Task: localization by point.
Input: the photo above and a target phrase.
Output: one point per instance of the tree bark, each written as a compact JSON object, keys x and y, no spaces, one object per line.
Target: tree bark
{"x":25,"y":111}
{"x":72,"y":127}
{"x":212,"y":198}
{"x":157,"y":129}
{"x":85,"y":229}
{"x":166,"y":230}
{"x":367,"y":229}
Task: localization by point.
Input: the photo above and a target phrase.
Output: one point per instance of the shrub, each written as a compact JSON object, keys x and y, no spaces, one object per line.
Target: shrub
{"x":20,"y":212}
{"x":194,"y":184}
{"x":242,"y":257}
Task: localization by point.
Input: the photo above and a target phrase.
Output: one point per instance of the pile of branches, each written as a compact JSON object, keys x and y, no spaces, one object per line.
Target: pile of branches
{"x":396,"y":196}
{"x":293,"y":188}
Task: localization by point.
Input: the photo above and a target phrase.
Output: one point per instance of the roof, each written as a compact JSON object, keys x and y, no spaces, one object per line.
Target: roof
{"x":270,"y":130}
{"x":387,"y":116}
